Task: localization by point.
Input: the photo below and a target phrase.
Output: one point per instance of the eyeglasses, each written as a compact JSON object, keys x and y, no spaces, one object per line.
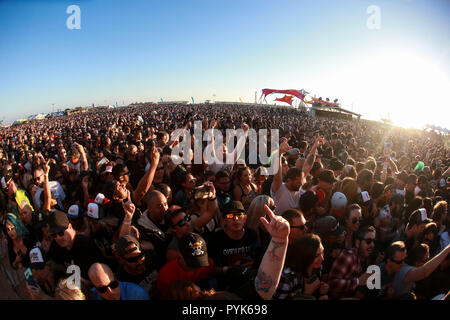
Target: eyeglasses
{"x":159,"y":168}
{"x":356,"y":220}
{"x":302,"y":227}
{"x":60,"y":234}
{"x":369,"y":240}
{"x":134,"y":259}
{"x":113,"y":284}
{"x":235,"y":214}
{"x":183,"y":221}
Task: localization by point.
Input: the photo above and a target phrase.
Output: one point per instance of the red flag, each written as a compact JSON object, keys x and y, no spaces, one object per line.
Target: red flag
{"x":286,"y":99}
{"x":295,"y":93}
{"x":266,"y":92}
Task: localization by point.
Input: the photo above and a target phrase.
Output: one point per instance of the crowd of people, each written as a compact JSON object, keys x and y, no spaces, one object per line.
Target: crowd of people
{"x":101,"y":190}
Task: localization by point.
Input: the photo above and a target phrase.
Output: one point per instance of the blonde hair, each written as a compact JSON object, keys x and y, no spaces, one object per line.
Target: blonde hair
{"x":256,"y":211}
{"x":62,"y":292}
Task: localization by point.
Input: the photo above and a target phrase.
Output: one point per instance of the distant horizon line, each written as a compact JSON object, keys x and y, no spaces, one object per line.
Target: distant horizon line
{"x":209,"y":101}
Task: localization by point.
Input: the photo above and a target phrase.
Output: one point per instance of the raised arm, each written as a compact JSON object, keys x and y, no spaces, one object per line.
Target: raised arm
{"x":47,"y":192}
{"x":211,"y":208}
{"x":278,"y":177}
{"x":311,"y":157}
{"x":84,"y":163}
{"x":419,"y":273}
{"x":269,"y":272}
{"x":146,"y":181}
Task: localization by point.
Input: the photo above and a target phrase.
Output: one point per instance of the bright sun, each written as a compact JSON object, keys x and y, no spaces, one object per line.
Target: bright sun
{"x":409,"y":89}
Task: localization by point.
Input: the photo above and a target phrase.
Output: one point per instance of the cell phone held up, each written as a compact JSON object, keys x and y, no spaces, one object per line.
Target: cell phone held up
{"x":201,"y":192}
{"x":29,"y":277}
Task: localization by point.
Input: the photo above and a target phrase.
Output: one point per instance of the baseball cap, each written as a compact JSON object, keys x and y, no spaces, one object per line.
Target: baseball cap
{"x":328,"y":225}
{"x":95,"y":211}
{"x":293,"y":152}
{"x":37,"y":260}
{"x":108,"y":169}
{"x":193,"y":249}
{"x":419,"y":216}
{"x":233,"y":206}
{"x":57,"y":221}
{"x":124,"y":242}
{"x":74,"y":212}
{"x":385,"y":212}
{"x":308,"y":200}
{"x":100,"y":198}
{"x":327,"y":176}
{"x":338,"y":201}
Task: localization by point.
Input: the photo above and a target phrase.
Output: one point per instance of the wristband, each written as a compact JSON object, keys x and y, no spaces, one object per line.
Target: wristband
{"x":126,"y":222}
{"x":212,"y":199}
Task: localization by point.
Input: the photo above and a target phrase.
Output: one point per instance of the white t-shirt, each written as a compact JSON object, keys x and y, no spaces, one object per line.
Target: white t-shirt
{"x":285,"y":199}
{"x":56,"y":189}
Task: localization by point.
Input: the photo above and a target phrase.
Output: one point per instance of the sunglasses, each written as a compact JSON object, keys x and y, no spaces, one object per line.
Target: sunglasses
{"x":113,"y":285}
{"x":160,"y":168}
{"x":369,"y":240}
{"x":183,"y":221}
{"x":134,"y":259}
{"x":60,"y":234}
{"x":398,"y":262}
{"x":235,"y":214}
{"x":356,"y":220}
{"x":302,"y":227}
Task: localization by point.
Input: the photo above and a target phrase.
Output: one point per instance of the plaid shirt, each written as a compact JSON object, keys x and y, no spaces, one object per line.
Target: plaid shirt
{"x":290,"y":283}
{"x":344,"y":272}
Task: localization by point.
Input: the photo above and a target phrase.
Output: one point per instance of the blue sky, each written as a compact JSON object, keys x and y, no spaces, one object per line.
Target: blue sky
{"x":144,"y":50}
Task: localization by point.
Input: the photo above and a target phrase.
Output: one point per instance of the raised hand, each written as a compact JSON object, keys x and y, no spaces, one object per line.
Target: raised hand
{"x":278,"y":227}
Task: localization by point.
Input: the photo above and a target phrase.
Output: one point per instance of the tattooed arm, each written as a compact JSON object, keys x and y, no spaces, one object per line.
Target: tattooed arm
{"x":268,"y":277}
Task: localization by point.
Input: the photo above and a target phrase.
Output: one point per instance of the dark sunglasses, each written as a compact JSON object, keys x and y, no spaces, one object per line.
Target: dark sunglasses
{"x":135,"y":259}
{"x":60,"y":234}
{"x":302,"y":227}
{"x":355,"y":220}
{"x":398,"y":262}
{"x":183,"y":221}
{"x":160,"y":168}
{"x":369,"y":240}
{"x":113,"y":284}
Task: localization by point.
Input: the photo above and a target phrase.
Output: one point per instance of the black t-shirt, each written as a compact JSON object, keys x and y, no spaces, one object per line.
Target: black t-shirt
{"x":226,"y":251}
{"x":83,"y":254}
{"x":146,"y":280}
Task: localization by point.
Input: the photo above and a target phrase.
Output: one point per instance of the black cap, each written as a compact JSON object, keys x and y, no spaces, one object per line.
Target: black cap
{"x":328,"y":225}
{"x":418,"y":217}
{"x":308,"y":200}
{"x":58,"y":221}
{"x":193,"y":249}
{"x":123,"y":243}
{"x":327,"y":176}
{"x":233,"y":206}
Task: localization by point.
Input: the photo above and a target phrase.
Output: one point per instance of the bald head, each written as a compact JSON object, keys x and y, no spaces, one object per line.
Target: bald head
{"x":102,"y":276}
